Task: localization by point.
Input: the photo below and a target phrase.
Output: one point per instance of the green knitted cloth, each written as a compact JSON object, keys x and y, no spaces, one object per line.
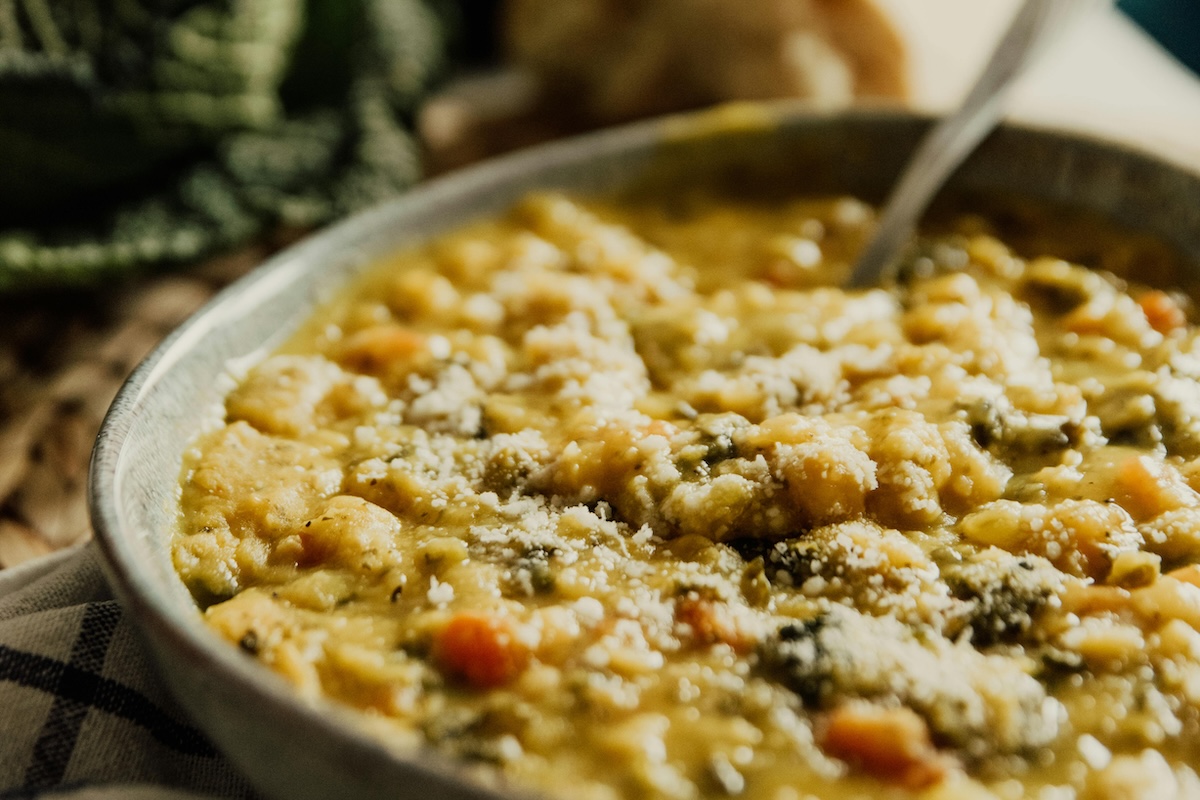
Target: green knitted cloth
{"x":140,"y":132}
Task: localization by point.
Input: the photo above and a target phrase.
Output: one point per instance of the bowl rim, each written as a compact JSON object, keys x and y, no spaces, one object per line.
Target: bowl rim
{"x":153,"y":612}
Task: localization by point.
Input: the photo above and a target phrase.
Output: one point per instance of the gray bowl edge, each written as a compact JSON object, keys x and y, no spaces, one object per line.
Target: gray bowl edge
{"x":291,"y":749}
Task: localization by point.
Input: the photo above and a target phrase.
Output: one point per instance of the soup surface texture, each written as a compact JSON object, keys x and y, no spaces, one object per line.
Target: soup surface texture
{"x":632,"y":502}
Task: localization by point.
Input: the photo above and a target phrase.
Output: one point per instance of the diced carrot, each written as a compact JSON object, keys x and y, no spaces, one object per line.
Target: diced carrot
{"x":782,"y":273}
{"x":1174,"y":596}
{"x":892,"y":744}
{"x":660,"y":427}
{"x":1147,"y":487}
{"x":382,"y":347}
{"x":481,"y":649}
{"x":710,"y":622}
{"x":1189,"y":574}
{"x":1086,"y":320}
{"x":1162,"y":312}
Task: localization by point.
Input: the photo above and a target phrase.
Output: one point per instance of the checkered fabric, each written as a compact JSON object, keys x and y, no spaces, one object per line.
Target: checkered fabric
{"x":82,"y":714}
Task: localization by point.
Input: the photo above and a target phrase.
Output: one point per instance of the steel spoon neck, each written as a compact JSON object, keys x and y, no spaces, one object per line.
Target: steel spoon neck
{"x":1036,"y":24}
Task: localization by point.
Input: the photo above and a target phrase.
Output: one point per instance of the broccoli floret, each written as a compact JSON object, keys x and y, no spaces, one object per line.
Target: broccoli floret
{"x":1003,"y":593}
{"x":845,"y":655}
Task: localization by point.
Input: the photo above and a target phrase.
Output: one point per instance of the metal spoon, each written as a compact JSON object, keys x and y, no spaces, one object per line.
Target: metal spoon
{"x":946,"y":146}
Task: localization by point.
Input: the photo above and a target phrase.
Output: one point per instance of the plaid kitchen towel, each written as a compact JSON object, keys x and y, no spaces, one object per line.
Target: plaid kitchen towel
{"x":82,"y":714}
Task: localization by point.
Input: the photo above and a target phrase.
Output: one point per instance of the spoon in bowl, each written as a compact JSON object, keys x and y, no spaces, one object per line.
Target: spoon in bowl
{"x":952,"y":139}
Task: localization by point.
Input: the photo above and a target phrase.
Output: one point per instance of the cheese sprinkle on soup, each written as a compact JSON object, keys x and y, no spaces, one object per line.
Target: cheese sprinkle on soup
{"x":632,"y":502}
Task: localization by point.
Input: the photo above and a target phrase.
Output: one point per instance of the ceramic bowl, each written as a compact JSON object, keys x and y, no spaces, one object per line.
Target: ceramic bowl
{"x":292,"y":749}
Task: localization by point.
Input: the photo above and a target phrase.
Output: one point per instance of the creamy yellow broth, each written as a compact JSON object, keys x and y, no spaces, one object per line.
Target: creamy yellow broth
{"x":620,"y":502}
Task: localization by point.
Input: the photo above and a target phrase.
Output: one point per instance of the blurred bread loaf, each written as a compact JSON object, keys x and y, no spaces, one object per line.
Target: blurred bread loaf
{"x":618,"y":59}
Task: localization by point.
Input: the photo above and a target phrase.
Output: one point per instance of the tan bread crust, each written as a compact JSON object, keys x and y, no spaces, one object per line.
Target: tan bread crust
{"x":616,"y":59}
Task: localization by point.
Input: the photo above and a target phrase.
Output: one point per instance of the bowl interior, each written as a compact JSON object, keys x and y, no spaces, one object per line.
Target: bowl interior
{"x":178,"y":390}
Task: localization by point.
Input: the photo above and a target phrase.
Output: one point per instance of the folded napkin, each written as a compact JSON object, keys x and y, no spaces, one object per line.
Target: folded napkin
{"x":82,"y":714}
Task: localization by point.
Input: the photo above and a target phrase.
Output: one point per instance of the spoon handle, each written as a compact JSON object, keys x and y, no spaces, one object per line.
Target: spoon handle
{"x":953,"y":138}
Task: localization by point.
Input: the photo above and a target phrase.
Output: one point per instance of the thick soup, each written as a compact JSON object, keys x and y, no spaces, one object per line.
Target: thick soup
{"x":629,"y":502}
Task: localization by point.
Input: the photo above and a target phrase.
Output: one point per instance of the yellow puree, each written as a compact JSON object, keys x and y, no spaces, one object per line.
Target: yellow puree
{"x":628,"y":503}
